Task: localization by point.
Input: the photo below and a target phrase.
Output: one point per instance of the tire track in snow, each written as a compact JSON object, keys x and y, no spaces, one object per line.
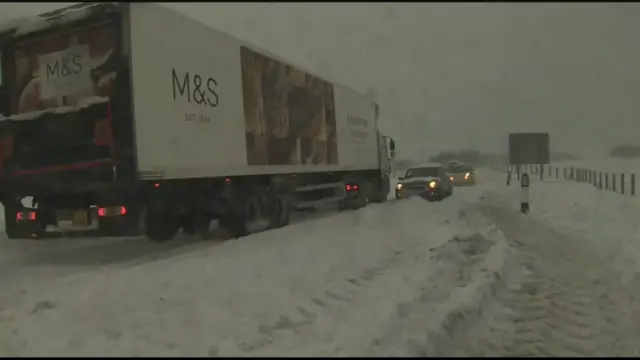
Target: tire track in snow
{"x":563,"y":301}
{"x":337,"y":308}
{"x":470,"y":267}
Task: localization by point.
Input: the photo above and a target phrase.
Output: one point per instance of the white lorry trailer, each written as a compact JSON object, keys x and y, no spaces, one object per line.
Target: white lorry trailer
{"x":163,"y":123}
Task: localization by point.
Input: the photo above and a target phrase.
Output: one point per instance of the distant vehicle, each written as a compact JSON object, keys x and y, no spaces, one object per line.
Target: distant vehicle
{"x":454,"y":163}
{"x":461,"y":175}
{"x":429,"y":181}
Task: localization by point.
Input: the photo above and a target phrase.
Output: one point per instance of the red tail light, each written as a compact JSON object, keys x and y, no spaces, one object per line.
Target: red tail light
{"x":351,"y":187}
{"x":29,"y":215}
{"x":103,"y":211}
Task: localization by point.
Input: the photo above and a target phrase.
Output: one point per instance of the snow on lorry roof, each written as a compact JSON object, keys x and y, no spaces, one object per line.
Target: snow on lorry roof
{"x":32,"y":115}
{"x":30,"y":24}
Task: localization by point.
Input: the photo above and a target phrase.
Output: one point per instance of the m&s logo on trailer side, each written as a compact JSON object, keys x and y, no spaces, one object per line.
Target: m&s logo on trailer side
{"x":195,"y":89}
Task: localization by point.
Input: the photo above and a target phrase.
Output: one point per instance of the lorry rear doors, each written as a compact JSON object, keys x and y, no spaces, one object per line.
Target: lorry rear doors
{"x":57,"y":86}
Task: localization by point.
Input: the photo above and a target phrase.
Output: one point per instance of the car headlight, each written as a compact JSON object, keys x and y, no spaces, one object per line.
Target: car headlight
{"x":433,"y":184}
{"x":466,"y":176}
{"x":399,"y":187}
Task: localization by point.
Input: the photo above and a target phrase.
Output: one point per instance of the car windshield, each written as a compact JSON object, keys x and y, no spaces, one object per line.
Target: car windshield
{"x":422,"y":172}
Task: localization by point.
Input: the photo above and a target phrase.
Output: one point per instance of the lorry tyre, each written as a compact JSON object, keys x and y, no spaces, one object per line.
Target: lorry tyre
{"x":281,"y":213}
{"x":160,"y":226}
{"x":361,"y":198}
{"x":243,"y":216}
{"x":251,"y":214}
{"x":367,"y":192}
{"x":382,"y":189}
{"x":197,"y":223}
{"x":12,"y":228}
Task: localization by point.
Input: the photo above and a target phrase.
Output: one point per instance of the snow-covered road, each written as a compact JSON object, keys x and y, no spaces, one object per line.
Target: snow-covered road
{"x":323,"y":287}
{"x":466,"y":276}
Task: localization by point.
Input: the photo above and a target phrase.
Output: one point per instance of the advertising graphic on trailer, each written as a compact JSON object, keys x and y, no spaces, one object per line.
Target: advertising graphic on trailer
{"x":290,"y":115}
{"x":63,"y":69}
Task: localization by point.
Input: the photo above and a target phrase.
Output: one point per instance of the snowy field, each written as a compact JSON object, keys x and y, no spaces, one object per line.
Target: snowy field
{"x":607,"y":164}
{"x":467,"y":276}
{"x":604,"y":165}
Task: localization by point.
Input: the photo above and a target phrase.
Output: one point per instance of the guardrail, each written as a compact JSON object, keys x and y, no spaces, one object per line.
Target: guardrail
{"x":618,"y":182}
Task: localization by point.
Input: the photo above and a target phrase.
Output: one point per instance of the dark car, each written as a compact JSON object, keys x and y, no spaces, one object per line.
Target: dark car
{"x":461,"y":174}
{"x":429,"y":181}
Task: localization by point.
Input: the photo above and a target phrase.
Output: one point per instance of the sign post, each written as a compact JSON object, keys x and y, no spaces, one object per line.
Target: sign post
{"x":529,"y":148}
{"x":524,"y":193}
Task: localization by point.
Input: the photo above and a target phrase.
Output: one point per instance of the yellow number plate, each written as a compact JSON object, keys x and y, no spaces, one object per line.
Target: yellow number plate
{"x":80,"y":218}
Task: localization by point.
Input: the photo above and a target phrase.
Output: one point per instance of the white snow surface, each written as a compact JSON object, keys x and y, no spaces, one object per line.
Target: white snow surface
{"x":609,"y":220}
{"x":469,"y":276}
{"x":336,"y":286}
{"x":571,"y":288}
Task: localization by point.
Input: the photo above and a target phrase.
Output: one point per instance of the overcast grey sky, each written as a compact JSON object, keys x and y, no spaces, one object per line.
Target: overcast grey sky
{"x":451,"y":75}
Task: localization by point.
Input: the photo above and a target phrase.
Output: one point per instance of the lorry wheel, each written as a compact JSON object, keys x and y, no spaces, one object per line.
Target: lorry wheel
{"x":383,"y":187}
{"x":197,"y":223}
{"x":160,"y":226}
{"x":15,"y":230}
{"x":11,"y":226}
{"x":367,"y":192}
{"x":281,"y":213}
{"x":243,"y":217}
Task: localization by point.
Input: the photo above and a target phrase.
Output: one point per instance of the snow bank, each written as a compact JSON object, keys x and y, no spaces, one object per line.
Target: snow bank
{"x":429,"y":320}
{"x":325,"y":287}
{"x":608,"y":219}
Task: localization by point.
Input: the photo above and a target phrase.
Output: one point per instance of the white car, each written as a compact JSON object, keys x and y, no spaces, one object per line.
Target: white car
{"x":429,"y":181}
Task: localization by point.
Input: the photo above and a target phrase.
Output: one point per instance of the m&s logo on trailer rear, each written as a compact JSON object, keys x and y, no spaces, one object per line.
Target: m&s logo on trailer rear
{"x":65,"y":72}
